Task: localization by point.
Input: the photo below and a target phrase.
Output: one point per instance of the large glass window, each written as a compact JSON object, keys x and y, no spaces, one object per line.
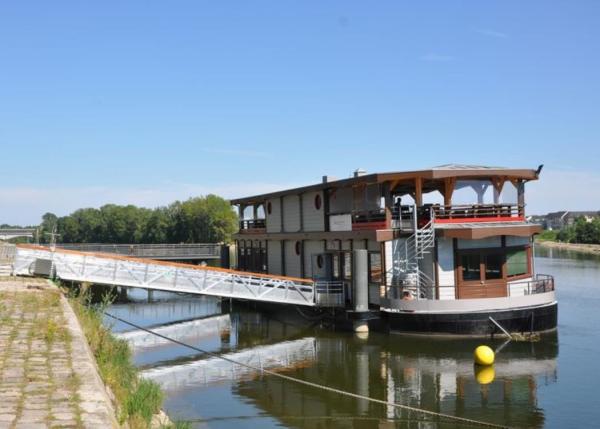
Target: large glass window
{"x":516,"y":262}
{"x":493,"y":266}
{"x":471,"y":268}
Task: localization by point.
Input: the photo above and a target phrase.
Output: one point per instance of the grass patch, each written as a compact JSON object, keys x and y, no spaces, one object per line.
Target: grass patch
{"x":137,"y":399}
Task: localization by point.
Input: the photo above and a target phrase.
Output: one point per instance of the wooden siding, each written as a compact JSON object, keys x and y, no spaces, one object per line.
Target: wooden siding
{"x":313,"y":218}
{"x":274,"y":257}
{"x":292,"y":261}
{"x":291,"y":213}
{"x":273,"y":219}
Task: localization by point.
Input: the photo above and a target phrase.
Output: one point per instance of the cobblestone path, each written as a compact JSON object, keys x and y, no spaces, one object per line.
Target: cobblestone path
{"x":47,"y":377}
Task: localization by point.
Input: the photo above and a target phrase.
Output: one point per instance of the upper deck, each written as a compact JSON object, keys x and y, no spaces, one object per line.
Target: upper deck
{"x":459,"y":199}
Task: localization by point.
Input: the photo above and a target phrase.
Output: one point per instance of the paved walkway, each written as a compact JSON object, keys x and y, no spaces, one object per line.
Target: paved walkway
{"x":48,"y":377}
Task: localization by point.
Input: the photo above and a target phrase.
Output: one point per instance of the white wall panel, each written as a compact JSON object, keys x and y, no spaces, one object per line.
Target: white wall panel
{"x":291,"y":213}
{"x":274,"y":257}
{"x":311,"y":247}
{"x":292,"y":260}
{"x":314,"y":219}
{"x":274,"y":218}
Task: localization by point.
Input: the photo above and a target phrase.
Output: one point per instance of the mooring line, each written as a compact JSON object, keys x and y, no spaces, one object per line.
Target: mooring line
{"x":315,"y":385}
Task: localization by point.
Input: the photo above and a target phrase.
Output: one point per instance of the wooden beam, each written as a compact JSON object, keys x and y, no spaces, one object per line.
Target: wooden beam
{"x":498,"y":183}
{"x":449,"y":184}
{"x":419,"y":191}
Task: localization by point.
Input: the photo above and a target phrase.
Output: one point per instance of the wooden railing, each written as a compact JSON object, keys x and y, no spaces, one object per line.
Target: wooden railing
{"x":369,"y":219}
{"x":253,"y":225}
{"x":478,"y":213}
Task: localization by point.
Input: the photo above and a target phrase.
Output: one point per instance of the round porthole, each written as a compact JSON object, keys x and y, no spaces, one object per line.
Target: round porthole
{"x":298,"y":247}
{"x":320,"y":261}
{"x":318,"y":201}
{"x":269,"y":207}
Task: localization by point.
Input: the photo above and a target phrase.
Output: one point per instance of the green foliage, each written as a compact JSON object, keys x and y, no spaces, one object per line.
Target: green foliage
{"x":581,"y":231}
{"x":145,"y":400}
{"x":138,"y":399}
{"x":547,"y":235}
{"x":208,"y":219}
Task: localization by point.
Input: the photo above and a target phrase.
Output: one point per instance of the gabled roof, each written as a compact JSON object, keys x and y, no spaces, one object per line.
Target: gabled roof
{"x":455,"y":171}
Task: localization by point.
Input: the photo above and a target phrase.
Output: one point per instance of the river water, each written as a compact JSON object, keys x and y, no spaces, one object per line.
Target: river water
{"x":551,"y":383}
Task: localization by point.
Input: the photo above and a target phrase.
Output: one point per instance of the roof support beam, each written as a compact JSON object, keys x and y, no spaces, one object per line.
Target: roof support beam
{"x":449,"y":184}
{"x":419,"y":191}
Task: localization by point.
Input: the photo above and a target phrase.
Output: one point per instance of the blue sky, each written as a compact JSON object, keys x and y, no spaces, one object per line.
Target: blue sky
{"x":147,"y":102}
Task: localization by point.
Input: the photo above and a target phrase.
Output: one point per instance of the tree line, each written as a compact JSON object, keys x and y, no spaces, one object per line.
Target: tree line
{"x":581,"y":231}
{"x":207,"y":219}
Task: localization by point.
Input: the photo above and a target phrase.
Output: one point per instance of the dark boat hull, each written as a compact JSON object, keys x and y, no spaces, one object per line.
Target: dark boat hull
{"x":529,"y":319}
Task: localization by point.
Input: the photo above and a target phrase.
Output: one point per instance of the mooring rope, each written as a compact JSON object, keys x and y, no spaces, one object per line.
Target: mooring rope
{"x":315,"y":385}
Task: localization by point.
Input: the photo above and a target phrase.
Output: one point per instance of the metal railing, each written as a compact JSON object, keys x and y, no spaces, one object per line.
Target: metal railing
{"x":126,"y":271}
{"x":329,"y":293}
{"x":477,"y":212}
{"x":8,"y":233}
{"x":253,"y":224}
{"x":541,"y":283}
{"x":153,"y":251}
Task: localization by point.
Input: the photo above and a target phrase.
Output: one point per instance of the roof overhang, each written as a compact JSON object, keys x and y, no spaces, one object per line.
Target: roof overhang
{"x":431,"y":175}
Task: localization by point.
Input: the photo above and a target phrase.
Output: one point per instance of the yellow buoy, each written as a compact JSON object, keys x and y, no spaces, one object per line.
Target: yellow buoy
{"x":483,"y":355}
{"x":484,"y":374}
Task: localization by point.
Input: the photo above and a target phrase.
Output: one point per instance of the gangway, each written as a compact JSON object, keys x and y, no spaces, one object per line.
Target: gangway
{"x":111,"y":269}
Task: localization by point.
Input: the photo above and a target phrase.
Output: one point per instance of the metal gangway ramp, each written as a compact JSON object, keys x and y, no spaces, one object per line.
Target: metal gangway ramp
{"x":117,"y":270}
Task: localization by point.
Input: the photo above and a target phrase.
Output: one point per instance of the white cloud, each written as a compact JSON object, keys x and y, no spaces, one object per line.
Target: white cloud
{"x":26,"y":205}
{"x":493,"y":33}
{"x":436,"y":58}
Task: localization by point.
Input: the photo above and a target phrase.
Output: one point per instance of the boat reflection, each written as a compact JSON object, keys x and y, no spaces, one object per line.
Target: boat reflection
{"x":436,"y":375}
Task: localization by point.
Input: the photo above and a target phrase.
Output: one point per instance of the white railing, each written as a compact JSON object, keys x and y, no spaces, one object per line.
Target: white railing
{"x":167,"y":276}
{"x":155,"y":251}
{"x":329,"y":293}
{"x":405,"y":267}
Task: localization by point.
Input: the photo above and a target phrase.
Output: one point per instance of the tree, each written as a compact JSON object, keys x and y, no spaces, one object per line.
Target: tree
{"x":208,"y":219}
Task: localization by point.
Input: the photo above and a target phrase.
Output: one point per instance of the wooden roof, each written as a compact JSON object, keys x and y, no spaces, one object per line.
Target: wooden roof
{"x":433,"y":174}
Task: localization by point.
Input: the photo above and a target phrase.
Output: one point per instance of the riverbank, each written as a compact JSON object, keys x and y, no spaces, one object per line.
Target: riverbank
{"x":48,"y":377}
{"x":576,"y":247}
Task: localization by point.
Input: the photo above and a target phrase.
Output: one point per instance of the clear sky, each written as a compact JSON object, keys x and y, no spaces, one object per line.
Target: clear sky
{"x":146,"y":102}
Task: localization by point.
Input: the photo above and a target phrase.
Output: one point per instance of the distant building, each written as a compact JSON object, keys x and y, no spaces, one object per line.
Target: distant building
{"x":562,"y":219}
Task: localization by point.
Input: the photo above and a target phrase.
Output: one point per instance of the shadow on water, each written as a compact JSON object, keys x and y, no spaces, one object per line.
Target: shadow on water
{"x":523,"y":389}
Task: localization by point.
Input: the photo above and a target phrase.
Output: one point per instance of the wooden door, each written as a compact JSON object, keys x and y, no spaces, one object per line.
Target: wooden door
{"x":481,"y":274}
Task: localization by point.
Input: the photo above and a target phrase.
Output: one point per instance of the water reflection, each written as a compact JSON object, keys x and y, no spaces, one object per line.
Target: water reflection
{"x":432,"y":373}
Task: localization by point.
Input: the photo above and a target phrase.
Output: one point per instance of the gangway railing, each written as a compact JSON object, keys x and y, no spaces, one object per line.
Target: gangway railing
{"x":110,"y":269}
{"x":153,"y":251}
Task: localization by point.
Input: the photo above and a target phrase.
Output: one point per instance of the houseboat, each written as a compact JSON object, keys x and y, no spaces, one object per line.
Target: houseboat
{"x":445,"y":250}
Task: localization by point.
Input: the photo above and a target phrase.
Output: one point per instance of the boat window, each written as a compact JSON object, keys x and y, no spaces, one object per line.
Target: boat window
{"x":516,"y":262}
{"x":471,"y":268}
{"x":347,"y":265}
{"x":336,"y":266}
{"x":318,"y":202}
{"x":493,"y":266}
{"x":375,"y":267}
